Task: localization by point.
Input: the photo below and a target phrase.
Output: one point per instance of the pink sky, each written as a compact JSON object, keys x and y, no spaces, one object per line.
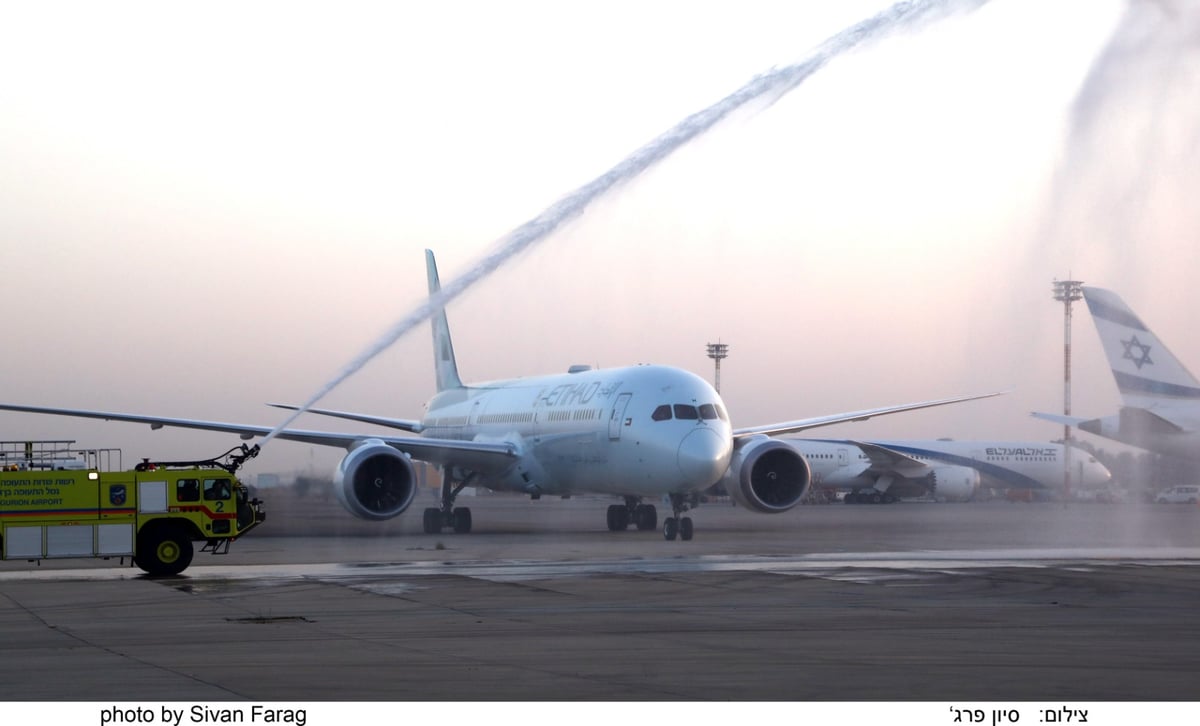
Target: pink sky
{"x":206,"y":213}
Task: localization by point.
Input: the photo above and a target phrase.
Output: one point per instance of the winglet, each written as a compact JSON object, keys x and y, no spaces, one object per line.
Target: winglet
{"x":445,"y":367}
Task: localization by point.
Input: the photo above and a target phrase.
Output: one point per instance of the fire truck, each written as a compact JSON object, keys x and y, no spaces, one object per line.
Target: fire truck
{"x":58,"y":501}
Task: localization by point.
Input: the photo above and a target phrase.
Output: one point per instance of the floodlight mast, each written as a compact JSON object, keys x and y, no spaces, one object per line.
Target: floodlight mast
{"x":718,"y":352}
{"x":1067,"y":292}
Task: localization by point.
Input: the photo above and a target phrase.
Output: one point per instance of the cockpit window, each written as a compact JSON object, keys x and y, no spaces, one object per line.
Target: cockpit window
{"x":662,"y":413}
{"x":721,"y":413}
{"x":708,"y":412}
{"x":684,"y":411}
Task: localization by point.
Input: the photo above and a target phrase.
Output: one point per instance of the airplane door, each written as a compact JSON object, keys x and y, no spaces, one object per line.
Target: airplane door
{"x":617,"y":418}
{"x":843,"y":460}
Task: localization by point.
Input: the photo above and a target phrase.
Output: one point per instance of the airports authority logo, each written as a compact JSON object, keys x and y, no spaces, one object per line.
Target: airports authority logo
{"x":1142,"y":355}
{"x":116,"y":495}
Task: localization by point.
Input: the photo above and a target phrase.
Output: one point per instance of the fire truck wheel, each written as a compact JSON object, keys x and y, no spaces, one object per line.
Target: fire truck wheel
{"x":163,"y":551}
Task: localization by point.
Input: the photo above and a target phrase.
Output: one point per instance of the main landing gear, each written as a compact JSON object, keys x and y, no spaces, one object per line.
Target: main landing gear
{"x":456,"y":518}
{"x":678,"y":525}
{"x":869,"y":496}
{"x":620,"y":516}
{"x":645,"y":516}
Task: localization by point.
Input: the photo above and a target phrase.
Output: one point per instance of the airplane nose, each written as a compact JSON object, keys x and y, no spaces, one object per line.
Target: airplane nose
{"x":703,"y":456}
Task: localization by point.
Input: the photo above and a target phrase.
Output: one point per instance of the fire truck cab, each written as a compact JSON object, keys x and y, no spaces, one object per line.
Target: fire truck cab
{"x":57,"y":501}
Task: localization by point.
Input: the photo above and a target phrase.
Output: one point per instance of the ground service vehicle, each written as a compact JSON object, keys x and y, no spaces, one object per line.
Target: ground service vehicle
{"x":1188,"y":494}
{"x":57,"y":501}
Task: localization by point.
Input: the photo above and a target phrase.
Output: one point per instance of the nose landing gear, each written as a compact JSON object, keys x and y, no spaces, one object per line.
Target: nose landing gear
{"x":677,"y":525}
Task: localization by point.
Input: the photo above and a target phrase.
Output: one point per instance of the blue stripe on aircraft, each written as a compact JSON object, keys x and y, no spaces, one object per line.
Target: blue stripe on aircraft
{"x":1013,"y":478}
{"x":995,"y":471}
{"x":1116,"y":315}
{"x":1128,"y":383}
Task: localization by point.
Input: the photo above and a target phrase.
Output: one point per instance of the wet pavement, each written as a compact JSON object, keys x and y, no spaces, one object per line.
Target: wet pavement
{"x":908,"y":602}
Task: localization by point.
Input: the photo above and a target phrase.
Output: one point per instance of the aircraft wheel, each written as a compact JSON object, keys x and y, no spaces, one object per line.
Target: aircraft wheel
{"x":432,"y":521}
{"x":876,"y":498}
{"x":462,"y":520}
{"x":670,"y":528}
{"x":647,"y":517}
{"x":618,"y":518}
{"x":685,"y":528}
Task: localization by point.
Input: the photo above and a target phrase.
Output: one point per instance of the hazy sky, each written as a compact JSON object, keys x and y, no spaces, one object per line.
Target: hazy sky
{"x":208,"y":207}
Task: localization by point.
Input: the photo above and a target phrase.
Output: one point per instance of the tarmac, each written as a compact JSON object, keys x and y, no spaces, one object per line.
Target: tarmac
{"x":907,"y":602}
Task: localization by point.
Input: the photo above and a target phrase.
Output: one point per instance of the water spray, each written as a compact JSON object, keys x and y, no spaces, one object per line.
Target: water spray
{"x":777,"y":81}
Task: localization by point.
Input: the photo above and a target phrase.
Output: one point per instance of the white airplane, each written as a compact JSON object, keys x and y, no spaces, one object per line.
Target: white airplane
{"x":642,"y":432}
{"x":882,"y":472}
{"x":1160,"y":399}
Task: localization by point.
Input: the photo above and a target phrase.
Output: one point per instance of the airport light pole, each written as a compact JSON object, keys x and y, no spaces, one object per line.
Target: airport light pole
{"x":1067,"y":292}
{"x":718,"y":352}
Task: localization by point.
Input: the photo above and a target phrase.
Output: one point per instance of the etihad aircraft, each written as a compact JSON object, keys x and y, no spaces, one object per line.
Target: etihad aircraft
{"x":1160,"y":399}
{"x":883,"y":472}
{"x":640,"y":433}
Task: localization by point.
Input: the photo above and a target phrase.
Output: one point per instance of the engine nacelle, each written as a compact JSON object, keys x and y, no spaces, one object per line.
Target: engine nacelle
{"x":953,"y":483}
{"x":766,"y":475}
{"x":375,"y":481}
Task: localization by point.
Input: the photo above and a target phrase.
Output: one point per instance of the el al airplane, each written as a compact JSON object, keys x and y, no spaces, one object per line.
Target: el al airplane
{"x":1160,"y":399}
{"x":642,"y":432}
{"x":882,"y":472}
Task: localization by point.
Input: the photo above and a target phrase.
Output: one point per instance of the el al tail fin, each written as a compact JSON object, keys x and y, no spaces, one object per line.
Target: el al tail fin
{"x":445,"y":367}
{"x":1147,"y":374}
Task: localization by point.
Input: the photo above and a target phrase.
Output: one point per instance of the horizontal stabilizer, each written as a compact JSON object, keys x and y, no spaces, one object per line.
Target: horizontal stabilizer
{"x":1060,"y":419}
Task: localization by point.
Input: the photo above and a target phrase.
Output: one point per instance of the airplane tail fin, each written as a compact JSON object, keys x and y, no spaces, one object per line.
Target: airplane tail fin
{"x":445,"y":367}
{"x":1147,"y":374}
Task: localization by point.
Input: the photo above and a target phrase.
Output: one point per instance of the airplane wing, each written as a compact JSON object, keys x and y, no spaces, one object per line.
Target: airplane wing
{"x":884,"y":459}
{"x":479,"y":456}
{"x":791,"y":427}
{"x":402,"y":424}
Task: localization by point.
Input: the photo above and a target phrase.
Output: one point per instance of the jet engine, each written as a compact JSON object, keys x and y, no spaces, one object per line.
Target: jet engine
{"x":953,"y":483}
{"x":375,"y":481}
{"x":766,"y":475}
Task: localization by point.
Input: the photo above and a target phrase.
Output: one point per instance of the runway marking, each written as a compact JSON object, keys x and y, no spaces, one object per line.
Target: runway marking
{"x":868,"y":566}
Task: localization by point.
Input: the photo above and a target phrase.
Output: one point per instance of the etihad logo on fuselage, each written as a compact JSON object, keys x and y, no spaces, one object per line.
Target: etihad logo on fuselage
{"x":1049,"y":451}
{"x":569,"y":394}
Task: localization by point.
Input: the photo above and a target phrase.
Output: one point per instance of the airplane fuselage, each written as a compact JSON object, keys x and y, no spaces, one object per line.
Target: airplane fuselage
{"x":1002,"y":464}
{"x":641,"y":430}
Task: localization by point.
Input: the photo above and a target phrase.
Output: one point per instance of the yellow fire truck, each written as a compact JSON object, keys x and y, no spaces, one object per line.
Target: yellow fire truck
{"x":57,"y":501}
